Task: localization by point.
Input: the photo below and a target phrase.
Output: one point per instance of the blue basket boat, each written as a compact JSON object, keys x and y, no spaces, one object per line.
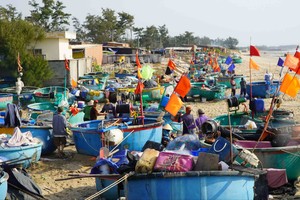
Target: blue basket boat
{"x":3,"y":185}
{"x":262,"y":89}
{"x":88,"y":135}
{"x":23,"y":155}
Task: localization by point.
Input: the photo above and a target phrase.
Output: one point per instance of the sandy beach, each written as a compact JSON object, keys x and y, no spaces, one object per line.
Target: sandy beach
{"x":50,"y":168}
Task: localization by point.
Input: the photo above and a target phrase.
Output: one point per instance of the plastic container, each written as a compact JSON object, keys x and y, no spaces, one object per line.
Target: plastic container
{"x":81,"y":104}
{"x":196,"y":152}
{"x":164,"y":101}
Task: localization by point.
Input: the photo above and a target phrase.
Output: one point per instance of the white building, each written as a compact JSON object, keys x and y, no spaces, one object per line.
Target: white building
{"x":55,"y":46}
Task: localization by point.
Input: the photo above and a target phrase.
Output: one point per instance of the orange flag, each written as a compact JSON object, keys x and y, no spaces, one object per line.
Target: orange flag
{"x":253,"y":64}
{"x":174,"y":105}
{"x":290,"y":85}
{"x":183,"y":86}
{"x":171,"y":65}
{"x":138,"y":64}
{"x":291,"y":62}
{"x":74,"y":83}
{"x":139,"y":73}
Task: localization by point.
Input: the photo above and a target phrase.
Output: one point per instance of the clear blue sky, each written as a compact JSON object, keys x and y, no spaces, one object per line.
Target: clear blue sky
{"x":266,"y":22}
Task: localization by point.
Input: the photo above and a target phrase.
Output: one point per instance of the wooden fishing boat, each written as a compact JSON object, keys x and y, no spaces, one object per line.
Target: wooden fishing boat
{"x":5,"y":99}
{"x":261,"y":89}
{"x":3,"y":184}
{"x":88,"y":136}
{"x":207,"y":93}
{"x":201,"y":185}
{"x":23,"y":155}
{"x":50,"y":94}
{"x":225,"y":80}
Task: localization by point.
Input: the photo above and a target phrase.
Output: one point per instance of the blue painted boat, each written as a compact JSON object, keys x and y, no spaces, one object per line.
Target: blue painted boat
{"x":3,"y":185}
{"x":208,"y":185}
{"x":32,"y":152}
{"x":26,"y":95}
{"x":88,"y":135}
{"x":44,"y":134}
{"x":5,"y":99}
{"x":92,"y":84}
{"x":263,"y":90}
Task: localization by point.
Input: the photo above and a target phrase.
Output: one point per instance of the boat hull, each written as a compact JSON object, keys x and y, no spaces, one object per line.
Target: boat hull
{"x":88,"y":136}
{"x":193,"y":185}
{"x":263,"y":90}
{"x":33,"y":152}
{"x":3,"y":185}
{"x":5,"y":99}
{"x":217,"y":92}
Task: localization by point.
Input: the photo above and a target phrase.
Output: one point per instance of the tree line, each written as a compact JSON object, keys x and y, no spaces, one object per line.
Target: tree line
{"x":18,"y":32}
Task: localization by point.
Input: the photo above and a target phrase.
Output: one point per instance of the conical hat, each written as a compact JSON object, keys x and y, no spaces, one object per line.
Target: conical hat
{"x":168,"y":127}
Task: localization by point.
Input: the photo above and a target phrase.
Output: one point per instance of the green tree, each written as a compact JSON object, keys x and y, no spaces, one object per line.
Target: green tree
{"x":80,"y":31}
{"x":15,"y":36}
{"x":150,"y":37}
{"x":164,"y":36}
{"x":10,"y":13}
{"x":231,"y":43}
{"x":50,"y":16}
{"x":138,"y":32}
{"x":109,"y":26}
{"x":205,"y":41}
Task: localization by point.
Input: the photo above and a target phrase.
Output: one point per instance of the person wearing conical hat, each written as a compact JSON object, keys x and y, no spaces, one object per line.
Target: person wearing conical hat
{"x":167,"y":129}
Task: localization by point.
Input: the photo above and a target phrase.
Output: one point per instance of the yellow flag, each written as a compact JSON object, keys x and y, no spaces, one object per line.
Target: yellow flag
{"x":253,"y":64}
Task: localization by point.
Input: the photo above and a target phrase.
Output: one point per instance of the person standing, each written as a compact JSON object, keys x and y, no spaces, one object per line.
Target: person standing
{"x":188,"y":121}
{"x":109,"y":110}
{"x":94,"y":112}
{"x":200,"y":120}
{"x":243,"y":87}
{"x":59,"y":125}
{"x":87,"y":110}
{"x":233,"y":86}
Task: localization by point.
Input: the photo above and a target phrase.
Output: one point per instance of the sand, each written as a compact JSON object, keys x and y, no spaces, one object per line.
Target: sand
{"x":50,"y":168}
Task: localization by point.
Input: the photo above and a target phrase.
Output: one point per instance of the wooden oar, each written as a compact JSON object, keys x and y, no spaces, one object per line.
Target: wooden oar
{"x":101,"y":176}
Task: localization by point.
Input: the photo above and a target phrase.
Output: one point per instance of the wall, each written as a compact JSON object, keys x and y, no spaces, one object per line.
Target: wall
{"x":78,"y":67}
{"x":94,"y":52}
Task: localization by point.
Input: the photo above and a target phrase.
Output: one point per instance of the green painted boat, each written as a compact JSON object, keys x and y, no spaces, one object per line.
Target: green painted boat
{"x":92,"y":84}
{"x":5,"y":99}
{"x":50,"y":94}
{"x":207,"y":93}
{"x":237,"y":59}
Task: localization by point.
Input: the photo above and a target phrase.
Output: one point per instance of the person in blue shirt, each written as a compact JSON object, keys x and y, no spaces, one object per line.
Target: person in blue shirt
{"x":59,"y":124}
{"x":188,"y":121}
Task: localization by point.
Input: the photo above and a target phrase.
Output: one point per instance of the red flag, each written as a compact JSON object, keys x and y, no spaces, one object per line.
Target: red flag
{"x":253,"y":64}
{"x":67,"y":64}
{"x":183,"y":86}
{"x":290,"y":85}
{"x":139,"y":88}
{"x":138,"y":64}
{"x":171,"y":65}
{"x":254,"y":51}
{"x":173,"y":105}
{"x":291,"y":62}
{"x":297,"y":54}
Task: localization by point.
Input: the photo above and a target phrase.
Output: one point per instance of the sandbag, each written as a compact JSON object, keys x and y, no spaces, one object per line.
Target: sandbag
{"x":146,"y":163}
